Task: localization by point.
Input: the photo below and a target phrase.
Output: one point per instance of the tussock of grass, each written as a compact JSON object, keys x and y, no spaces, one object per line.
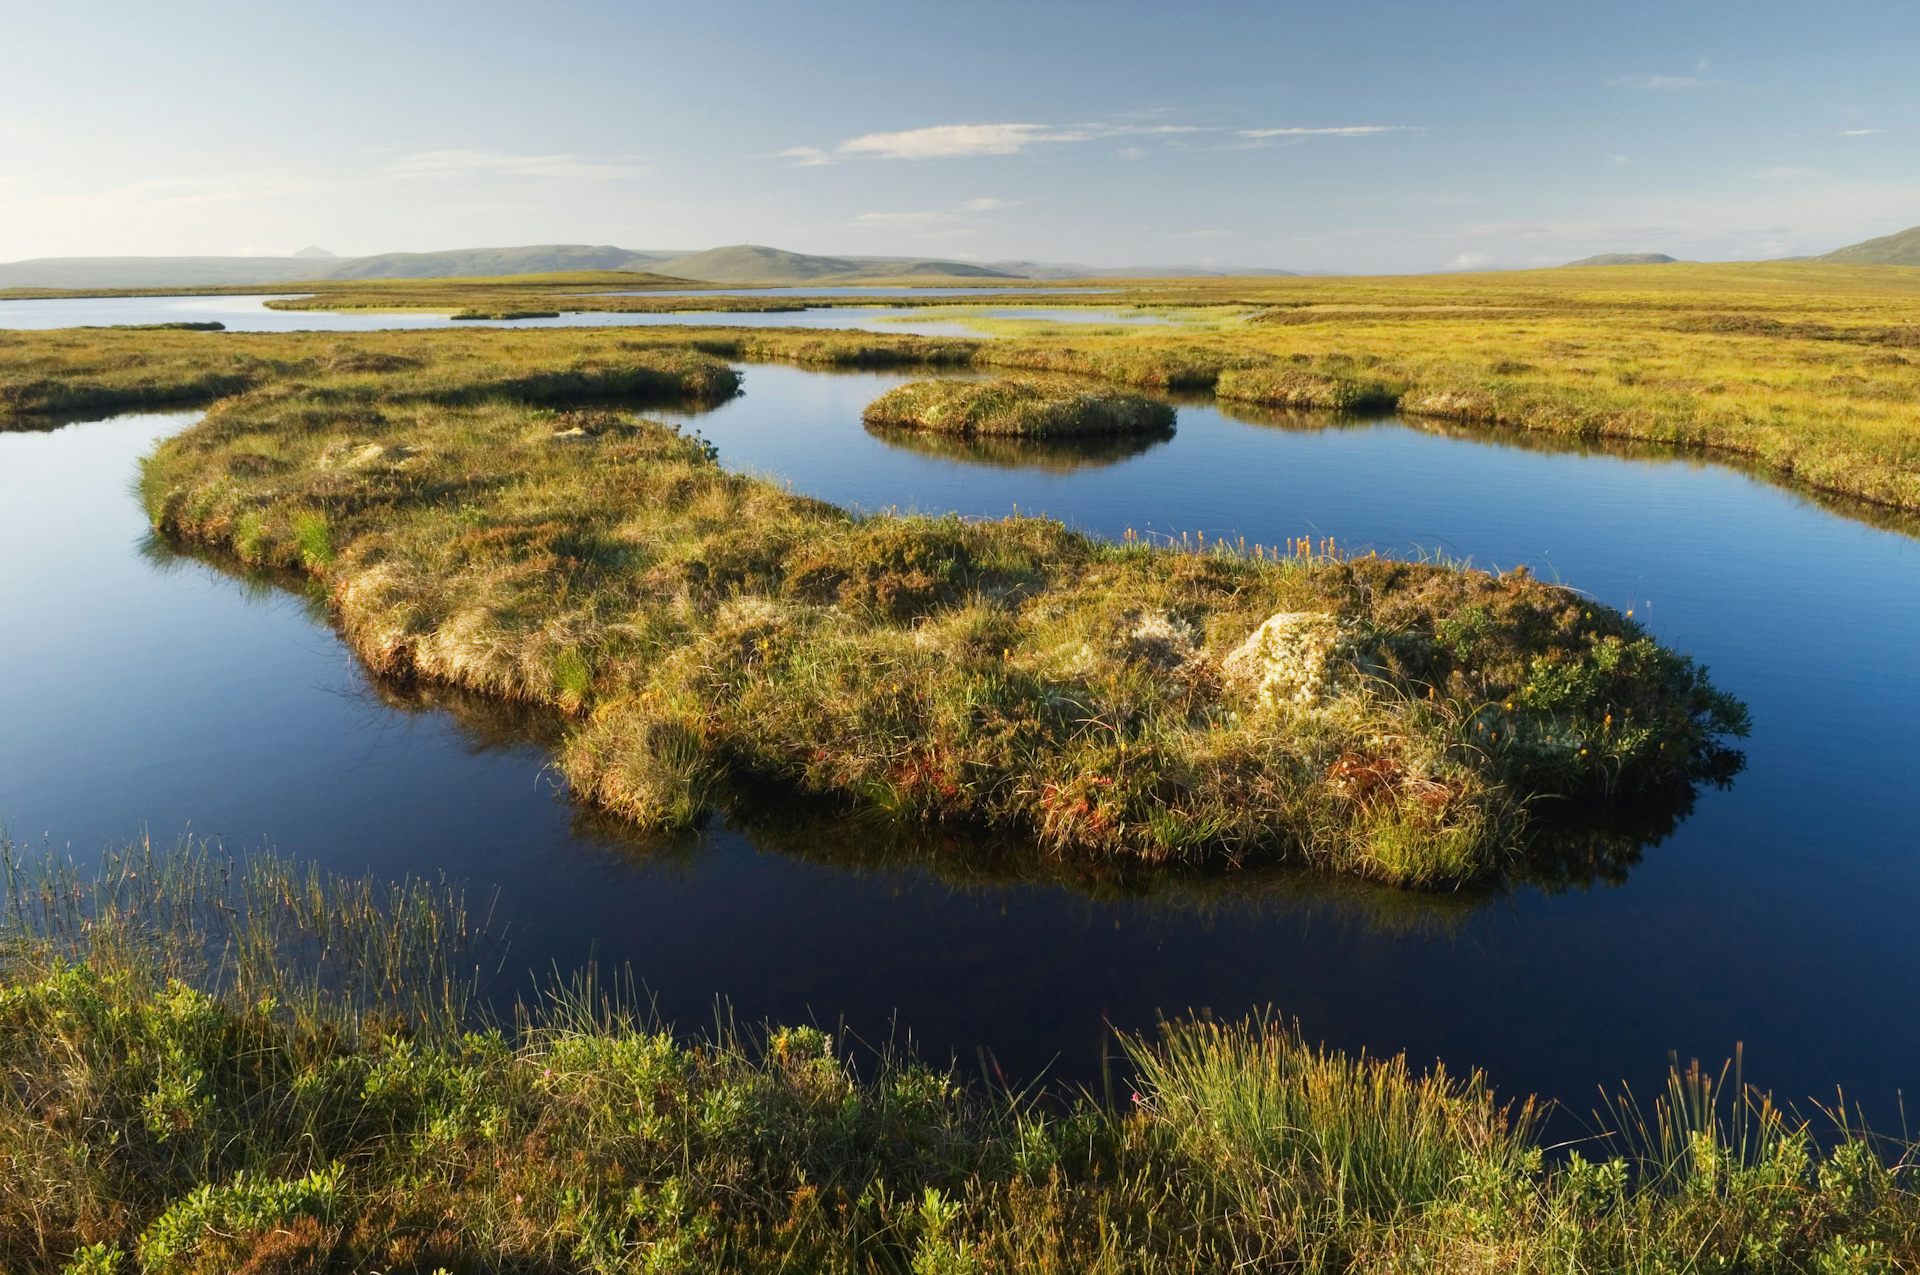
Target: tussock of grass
{"x":1294,"y":388}
{"x":1016,"y":407}
{"x":295,"y":1106}
{"x":1011,"y":675}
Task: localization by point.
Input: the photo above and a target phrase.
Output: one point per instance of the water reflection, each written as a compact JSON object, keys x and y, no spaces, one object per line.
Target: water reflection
{"x":999,"y":451}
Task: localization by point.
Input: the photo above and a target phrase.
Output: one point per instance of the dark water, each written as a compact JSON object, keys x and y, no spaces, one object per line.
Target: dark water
{"x":250,"y":314}
{"x":141,"y":689}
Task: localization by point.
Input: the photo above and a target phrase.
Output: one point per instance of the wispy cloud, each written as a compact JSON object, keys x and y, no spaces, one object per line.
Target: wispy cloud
{"x":1343,"y":130}
{"x":479,"y":163}
{"x":949,"y":141}
{"x":1660,"y":83}
{"x":963,"y":141}
{"x":1861,"y":132}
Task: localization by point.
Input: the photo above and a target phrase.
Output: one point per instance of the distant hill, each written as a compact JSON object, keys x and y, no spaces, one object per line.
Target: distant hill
{"x":1626,"y":259}
{"x":1902,"y":249}
{"x":750,"y":263}
{"x":482,"y":262}
{"x":735,"y":264}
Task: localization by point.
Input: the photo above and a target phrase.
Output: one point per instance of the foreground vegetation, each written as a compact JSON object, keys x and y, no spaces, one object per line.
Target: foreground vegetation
{"x":1396,"y":721}
{"x":1025,"y":408}
{"x":214,"y":1068}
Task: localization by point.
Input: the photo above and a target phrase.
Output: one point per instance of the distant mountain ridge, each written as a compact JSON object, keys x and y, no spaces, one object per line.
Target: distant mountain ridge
{"x":1899,"y":249}
{"x":750,"y":263}
{"x":734,"y":264}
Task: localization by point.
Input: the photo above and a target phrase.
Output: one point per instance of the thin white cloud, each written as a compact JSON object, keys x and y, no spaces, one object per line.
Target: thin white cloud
{"x":963,"y":141}
{"x":1861,"y":132}
{"x":985,"y":204}
{"x":1344,"y":130}
{"x":479,"y":163}
{"x":1660,"y":83}
{"x":949,"y":141}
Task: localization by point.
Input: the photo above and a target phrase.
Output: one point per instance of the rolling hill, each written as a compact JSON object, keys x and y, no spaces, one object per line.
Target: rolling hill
{"x":741,"y":263}
{"x":734,"y":265}
{"x":1901,"y":249}
{"x":750,"y":263}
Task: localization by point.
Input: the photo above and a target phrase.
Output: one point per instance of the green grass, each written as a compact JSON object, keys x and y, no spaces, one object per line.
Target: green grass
{"x":1018,"y":408}
{"x":706,"y":629}
{"x":213,"y":1068}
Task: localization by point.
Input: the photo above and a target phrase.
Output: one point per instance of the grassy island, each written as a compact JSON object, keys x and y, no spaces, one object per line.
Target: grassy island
{"x":1018,"y":408}
{"x":1210,"y":705}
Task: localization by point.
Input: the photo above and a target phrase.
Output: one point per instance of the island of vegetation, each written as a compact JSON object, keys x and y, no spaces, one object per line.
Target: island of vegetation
{"x":1025,"y":408}
{"x":1206,"y":704}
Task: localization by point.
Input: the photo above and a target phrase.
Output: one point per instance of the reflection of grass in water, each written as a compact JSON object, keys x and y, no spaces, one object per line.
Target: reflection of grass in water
{"x":1055,"y":455}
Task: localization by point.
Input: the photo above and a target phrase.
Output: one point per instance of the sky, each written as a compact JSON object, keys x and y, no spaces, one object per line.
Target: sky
{"x":1364,"y":136}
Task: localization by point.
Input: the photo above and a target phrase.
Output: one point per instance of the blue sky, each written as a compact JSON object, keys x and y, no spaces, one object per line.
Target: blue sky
{"x":1359,"y":136}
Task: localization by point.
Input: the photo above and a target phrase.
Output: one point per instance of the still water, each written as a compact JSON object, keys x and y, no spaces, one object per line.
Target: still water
{"x":251,"y":314}
{"x":143,"y":690}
